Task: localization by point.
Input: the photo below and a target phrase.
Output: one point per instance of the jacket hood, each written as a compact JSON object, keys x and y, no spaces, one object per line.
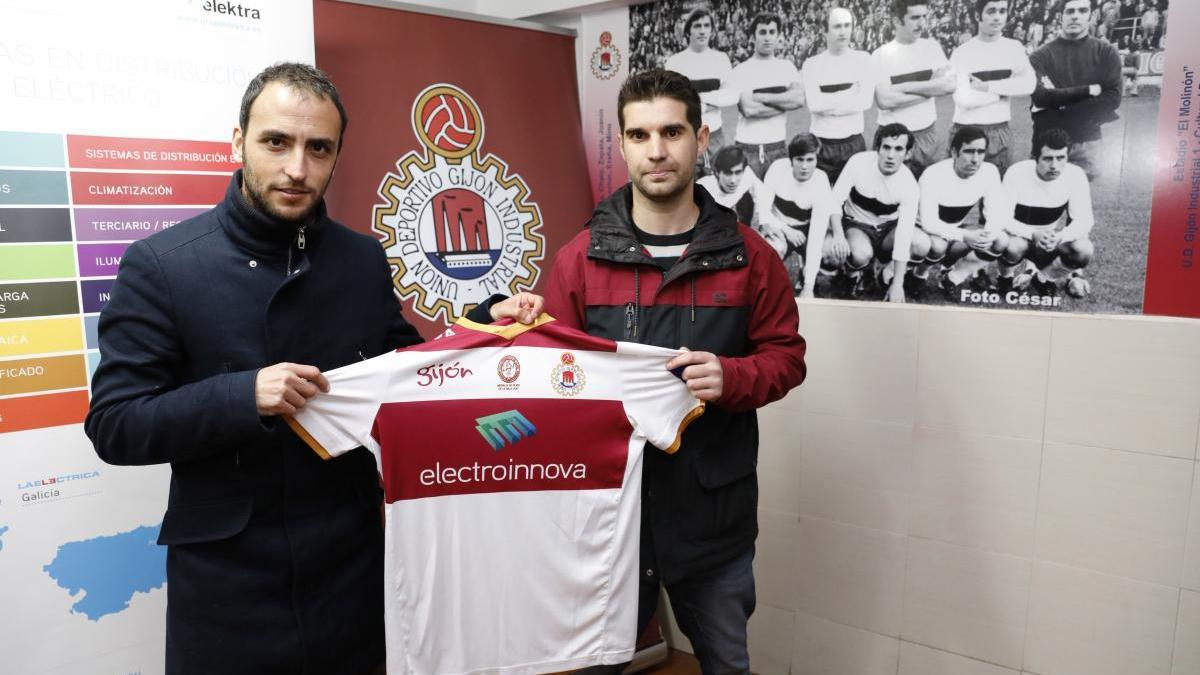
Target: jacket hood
{"x":613,"y":235}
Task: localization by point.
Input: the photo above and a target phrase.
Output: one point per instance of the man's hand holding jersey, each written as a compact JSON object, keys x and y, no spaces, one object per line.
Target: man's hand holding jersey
{"x":284,"y":388}
{"x":702,"y":373}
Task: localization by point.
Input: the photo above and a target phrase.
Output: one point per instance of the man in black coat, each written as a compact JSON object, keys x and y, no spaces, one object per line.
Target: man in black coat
{"x":214,"y":329}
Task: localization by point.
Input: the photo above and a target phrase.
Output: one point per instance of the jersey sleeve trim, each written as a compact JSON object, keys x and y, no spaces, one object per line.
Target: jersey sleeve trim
{"x":688,"y":419}
{"x":307,"y":438}
{"x":507,"y":331}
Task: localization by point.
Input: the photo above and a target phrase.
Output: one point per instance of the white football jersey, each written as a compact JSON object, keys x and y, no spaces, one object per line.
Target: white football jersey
{"x":511,"y":459}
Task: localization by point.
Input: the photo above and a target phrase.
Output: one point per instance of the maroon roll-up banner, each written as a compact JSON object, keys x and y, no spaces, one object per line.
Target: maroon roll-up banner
{"x":464,"y":153}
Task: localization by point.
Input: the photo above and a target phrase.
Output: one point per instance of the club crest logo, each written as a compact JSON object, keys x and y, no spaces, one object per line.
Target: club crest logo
{"x":457,"y":226}
{"x":509,"y":371}
{"x":568,"y":378}
{"x":606,"y":59}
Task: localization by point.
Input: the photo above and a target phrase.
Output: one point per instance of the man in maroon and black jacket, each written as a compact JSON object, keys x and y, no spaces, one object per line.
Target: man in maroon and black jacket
{"x":664,"y":264}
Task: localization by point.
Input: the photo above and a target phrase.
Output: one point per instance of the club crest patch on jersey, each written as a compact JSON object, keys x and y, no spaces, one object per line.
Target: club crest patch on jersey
{"x":509,"y":371}
{"x":568,"y":378}
{"x":457,"y":225}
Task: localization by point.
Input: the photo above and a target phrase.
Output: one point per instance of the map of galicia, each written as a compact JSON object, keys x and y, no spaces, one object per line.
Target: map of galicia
{"x":109,"y":570}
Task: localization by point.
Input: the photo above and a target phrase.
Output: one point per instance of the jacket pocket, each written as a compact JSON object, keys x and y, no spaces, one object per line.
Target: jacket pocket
{"x":200,"y":523}
{"x":714,"y":471}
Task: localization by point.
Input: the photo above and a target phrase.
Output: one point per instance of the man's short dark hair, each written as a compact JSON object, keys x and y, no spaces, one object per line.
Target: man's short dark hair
{"x":299,"y":76}
{"x":729,"y":158}
{"x":694,"y":16}
{"x":900,"y":7}
{"x":1062,"y":5}
{"x":980,"y":4}
{"x":1055,"y":139}
{"x":803,"y":144}
{"x":763,"y":18}
{"x":891,"y":131}
{"x":967,"y":134}
{"x":659,"y":83}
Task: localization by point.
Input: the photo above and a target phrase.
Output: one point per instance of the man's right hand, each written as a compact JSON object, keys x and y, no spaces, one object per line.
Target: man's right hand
{"x":284,"y":388}
{"x":1047,"y":240}
{"x":839,"y":248}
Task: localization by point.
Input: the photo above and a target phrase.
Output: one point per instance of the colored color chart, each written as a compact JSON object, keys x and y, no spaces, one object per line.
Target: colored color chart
{"x":69,"y":207}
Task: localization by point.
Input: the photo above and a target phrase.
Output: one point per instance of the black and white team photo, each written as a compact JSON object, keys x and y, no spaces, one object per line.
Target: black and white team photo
{"x":990,"y":153}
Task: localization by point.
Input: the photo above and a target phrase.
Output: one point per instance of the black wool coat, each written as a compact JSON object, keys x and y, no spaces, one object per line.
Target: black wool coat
{"x":274,"y":559}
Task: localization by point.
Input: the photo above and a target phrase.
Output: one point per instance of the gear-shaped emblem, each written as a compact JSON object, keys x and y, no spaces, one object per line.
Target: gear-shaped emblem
{"x":457,"y":226}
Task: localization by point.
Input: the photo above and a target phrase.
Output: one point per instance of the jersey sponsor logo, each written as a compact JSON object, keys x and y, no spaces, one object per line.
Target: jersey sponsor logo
{"x":504,"y":428}
{"x":480,"y":445}
{"x":568,"y":378}
{"x":457,"y":225}
{"x":509,"y":371}
{"x":606,"y":59}
{"x":440,"y":372}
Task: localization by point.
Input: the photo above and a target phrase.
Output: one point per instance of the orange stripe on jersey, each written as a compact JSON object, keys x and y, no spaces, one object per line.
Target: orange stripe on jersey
{"x":691,"y":416}
{"x":307,"y":437}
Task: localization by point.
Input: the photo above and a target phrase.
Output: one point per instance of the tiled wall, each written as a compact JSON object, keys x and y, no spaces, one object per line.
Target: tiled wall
{"x":958,"y":492}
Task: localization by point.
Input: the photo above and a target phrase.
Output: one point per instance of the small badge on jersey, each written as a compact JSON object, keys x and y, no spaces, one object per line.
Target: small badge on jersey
{"x":509,"y":371}
{"x":568,"y":378}
{"x":458,"y":224}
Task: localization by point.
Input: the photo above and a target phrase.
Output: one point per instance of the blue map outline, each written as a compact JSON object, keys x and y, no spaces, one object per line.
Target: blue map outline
{"x":110,"y":569}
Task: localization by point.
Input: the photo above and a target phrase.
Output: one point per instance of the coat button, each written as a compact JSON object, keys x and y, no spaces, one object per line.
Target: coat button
{"x":632,"y":249}
{"x":739,"y":258}
{"x":649,"y":573}
{"x":704,"y":262}
{"x":254,"y":263}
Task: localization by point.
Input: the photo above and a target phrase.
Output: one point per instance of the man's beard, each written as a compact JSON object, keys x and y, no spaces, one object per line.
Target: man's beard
{"x":259,"y":201}
{"x":680,"y":188}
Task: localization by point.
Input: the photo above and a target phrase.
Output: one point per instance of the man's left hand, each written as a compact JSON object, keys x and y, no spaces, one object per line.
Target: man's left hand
{"x":522,"y":307}
{"x":701,"y":372}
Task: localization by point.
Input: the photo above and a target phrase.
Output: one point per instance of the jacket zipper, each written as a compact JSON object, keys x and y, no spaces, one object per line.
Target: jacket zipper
{"x":630,"y":321}
{"x":299,"y":245}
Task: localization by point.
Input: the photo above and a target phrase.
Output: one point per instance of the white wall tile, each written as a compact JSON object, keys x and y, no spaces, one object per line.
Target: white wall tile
{"x":966,"y":601}
{"x":1086,"y":623}
{"x":1125,"y":384}
{"x":975,"y":490}
{"x":826,"y":648}
{"x":772,"y":631}
{"x":779,"y":446}
{"x":920,"y":660}
{"x":851,"y":575}
{"x":777,"y":558}
{"x":862,"y":361}
{"x":1187,"y":635}
{"x":855,"y":471}
{"x":1191,"y":552}
{"x":983,"y":372}
{"x":1113,"y":511}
